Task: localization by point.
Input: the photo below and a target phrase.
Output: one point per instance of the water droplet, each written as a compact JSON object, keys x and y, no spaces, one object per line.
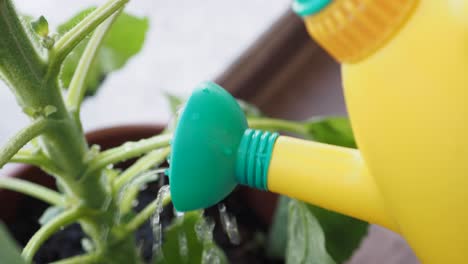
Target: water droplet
{"x":183,"y":245}
{"x":162,"y":180}
{"x":87,"y":244}
{"x":204,"y":229}
{"x":156,"y":226}
{"x":229,"y":224}
{"x":157,"y":238}
{"x":210,"y":256}
{"x":160,"y":171}
{"x":206,"y":90}
{"x":178,"y":214}
{"x":129,"y":146}
{"x":163,"y":193}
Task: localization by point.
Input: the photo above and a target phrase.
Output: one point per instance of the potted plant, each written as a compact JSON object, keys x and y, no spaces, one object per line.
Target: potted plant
{"x":50,"y":74}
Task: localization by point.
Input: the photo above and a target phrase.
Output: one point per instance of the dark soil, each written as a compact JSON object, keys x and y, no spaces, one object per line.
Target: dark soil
{"x":67,"y":242}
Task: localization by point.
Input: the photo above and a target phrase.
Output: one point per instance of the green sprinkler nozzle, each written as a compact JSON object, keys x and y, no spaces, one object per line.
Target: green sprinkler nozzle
{"x":213,"y":150}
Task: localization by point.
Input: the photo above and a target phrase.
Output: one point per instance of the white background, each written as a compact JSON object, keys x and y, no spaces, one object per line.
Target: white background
{"x":188,"y":42}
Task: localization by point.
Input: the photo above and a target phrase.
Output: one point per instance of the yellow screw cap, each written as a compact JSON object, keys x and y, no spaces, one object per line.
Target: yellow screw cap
{"x":353,"y":29}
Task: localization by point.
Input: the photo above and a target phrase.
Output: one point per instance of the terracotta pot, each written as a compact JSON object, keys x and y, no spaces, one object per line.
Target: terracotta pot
{"x":262,"y":203}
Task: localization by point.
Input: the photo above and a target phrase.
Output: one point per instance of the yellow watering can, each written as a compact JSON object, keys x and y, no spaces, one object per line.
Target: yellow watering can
{"x":405,"y":75}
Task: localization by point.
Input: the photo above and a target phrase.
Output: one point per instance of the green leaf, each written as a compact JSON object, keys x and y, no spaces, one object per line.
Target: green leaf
{"x":343,"y":234}
{"x":123,"y":41}
{"x":306,"y":242}
{"x":41,"y":26}
{"x":49,"y":214}
{"x":332,"y":130}
{"x":278,"y":234}
{"x":195,"y":247}
{"x":175,"y":102}
{"x":9,"y":251}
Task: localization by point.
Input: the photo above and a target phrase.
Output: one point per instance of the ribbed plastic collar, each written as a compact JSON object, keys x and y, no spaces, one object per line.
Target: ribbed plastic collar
{"x":350,"y":30}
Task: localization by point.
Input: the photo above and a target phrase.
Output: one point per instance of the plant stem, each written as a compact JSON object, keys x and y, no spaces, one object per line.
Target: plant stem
{"x":34,"y":82}
{"x":67,"y":42}
{"x":78,"y":87}
{"x":32,"y":158}
{"x":151,"y":159}
{"x":127,"y":151}
{"x":24,"y":71}
{"x":145,"y":214}
{"x":32,"y":189}
{"x":37,"y":159}
{"x":88,"y":259}
{"x":36,"y":128}
{"x":278,"y":125}
{"x":64,"y":219}
{"x":20,"y":62}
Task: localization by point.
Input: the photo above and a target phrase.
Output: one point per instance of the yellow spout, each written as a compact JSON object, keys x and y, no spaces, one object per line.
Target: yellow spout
{"x":331,"y":177}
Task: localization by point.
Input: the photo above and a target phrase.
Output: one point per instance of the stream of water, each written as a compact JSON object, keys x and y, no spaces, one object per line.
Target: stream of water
{"x":164,"y":192}
{"x":203,"y":229}
{"x":229,"y":224}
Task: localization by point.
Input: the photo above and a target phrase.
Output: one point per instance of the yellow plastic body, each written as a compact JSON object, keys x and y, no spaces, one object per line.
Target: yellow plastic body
{"x":311,"y":171}
{"x":408,"y":104}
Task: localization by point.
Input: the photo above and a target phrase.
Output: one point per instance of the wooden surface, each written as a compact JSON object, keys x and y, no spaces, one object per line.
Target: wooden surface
{"x":287,"y":75}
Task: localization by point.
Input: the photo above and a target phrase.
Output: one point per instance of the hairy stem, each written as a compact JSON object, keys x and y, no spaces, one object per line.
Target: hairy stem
{"x":37,"y":159}
{"x":21,"y":65}
{"x":64,"y":219}
{"x":68,"y":41}
{"x":77,"y":88}
{"x":145,"y":214}
{"x":34,"y":82}
{"x":25,"y":135}
{"x":127,"y":151}
{"x":151,"y":159}
{"x":32,"y":189}
{"x":33,"y":158}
